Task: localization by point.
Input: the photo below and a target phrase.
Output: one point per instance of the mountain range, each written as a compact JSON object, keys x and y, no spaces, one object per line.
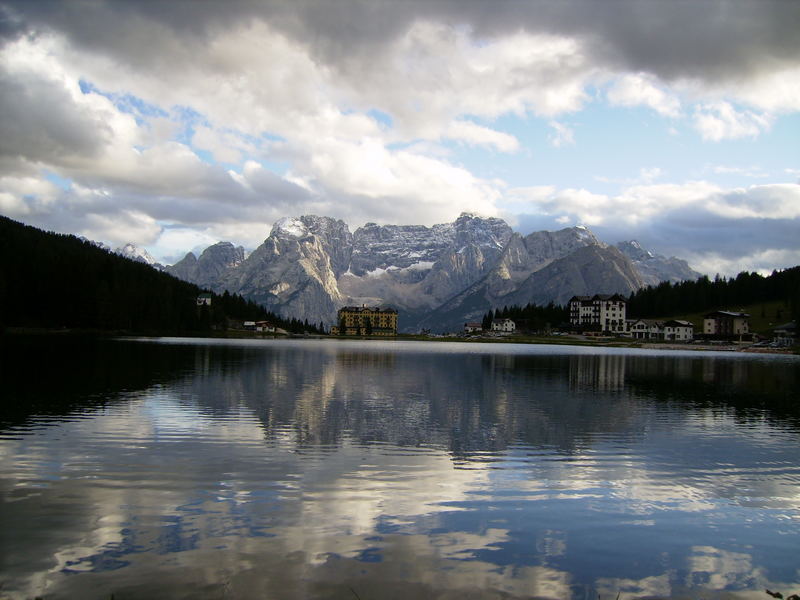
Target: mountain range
{"x":437,"y":277}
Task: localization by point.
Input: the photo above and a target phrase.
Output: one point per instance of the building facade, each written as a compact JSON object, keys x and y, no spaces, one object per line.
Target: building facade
{"x":678,"y":331}
{"x":204,"y":299}
{"x":786,"y":334}
{"x":504,"y":325}
{"x":364,"y":320}
{"x":472,"y":327}
{"x":645,"y":329}
{"x":726,"y":324}
{"x":601,"y":312}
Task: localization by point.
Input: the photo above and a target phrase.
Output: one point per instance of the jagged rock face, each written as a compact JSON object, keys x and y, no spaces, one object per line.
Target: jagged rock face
{"x":590,"y":270}
{"x":185,"y":268}
{"x":418,"y":268}
{"x":336,"y":239}
{"x":471,"y":230}
{"x":520,"y":258}
{"x":397,"y":246}
{"x":477,"y":245}
{"x":655,"y":268}
{"x":213,"y":266}
{"x":95,"y":243}
{"x":133,"y":252}
{"x":290,"y":273}
{"x":544,"y":246}
{"x":437,"y":277}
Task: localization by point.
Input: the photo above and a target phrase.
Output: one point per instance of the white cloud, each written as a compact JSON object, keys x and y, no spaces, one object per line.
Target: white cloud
{"x":647,"y":201}
{"x":119,"y":228}
{"x":355,"y":105}
{"x":760,"y":261}
{"x":772,"y":91}
{"x":721,"y":121}
{"x":474,"y":134}
{"x":751,"y":171}
{"x":562,"y":135}
{"x":641,"y":89}
{"x":174,"y":242}
{"x":771,"y":201}
{"x":396,"y":186}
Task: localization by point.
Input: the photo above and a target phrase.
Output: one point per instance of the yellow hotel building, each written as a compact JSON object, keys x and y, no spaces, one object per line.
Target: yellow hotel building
{"x":362,"y":320}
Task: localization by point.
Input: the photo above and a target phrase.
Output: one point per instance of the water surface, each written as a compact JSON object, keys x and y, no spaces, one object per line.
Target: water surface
{"x":178,"y":468}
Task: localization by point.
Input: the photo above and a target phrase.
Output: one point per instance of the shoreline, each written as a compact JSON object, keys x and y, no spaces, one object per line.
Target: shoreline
{"x":560,"y":340}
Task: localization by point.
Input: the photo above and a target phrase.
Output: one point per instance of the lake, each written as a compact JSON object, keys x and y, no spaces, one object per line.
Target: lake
{"x":344,"y":469}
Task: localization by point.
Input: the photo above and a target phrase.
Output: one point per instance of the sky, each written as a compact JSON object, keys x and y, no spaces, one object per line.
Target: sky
{"x":175,"y":125}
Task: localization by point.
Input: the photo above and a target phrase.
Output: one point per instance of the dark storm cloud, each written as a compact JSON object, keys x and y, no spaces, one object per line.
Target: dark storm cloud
{"x":40,"y":121}
{"x":715,"y":40}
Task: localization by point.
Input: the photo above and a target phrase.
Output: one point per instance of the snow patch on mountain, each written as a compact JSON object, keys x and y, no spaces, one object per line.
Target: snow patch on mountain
{"x":290,"y":227}
{"x":133,"y":252}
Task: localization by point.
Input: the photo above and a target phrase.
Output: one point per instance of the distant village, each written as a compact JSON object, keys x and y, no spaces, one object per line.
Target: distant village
{"x":593,"y":316}
{"x":606,"y":315}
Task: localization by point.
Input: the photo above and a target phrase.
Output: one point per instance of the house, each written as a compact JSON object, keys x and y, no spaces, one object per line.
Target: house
{"x":249,"y":325}
{"x":503,"y":325}
{"x":726,"y":324}
{"x":601,"y":312}
{"x":648,"y":329}
{"x":645,"y":329}
{"x":786,"y":334}
{"x":363,"y":320}
{"x":473,"y":327}
{"x":204,"y":299}
{"x":265,"y":326}
{"x":678,"y":331}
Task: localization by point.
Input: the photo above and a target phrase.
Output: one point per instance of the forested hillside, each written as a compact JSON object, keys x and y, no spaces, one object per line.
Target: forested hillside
{"x":59,"y":281}
{"x":670,"y":299}
{"x":529,"y":317}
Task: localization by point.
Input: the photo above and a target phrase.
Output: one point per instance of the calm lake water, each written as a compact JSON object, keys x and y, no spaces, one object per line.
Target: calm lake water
{"x":174,"y":468}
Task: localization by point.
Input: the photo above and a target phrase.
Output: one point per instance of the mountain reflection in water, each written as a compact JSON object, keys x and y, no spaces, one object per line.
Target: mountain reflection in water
{"x":202,"y":468}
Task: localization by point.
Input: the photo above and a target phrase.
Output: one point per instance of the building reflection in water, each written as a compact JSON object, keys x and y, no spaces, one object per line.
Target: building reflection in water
{"x":603,"y":373}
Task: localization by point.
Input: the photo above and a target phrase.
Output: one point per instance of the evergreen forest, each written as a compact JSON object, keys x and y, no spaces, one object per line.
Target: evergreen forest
{"x":721,"y":293}
{"x":58,"y":281}
{"x":530,"y":317}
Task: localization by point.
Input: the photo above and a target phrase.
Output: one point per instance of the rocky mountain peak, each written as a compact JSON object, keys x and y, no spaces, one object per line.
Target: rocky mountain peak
{"x":289,"y":227}
{"x":397,"y":246}
{"x":436,"y":276}
{"x":633,"y":250}
{"x":133,"y":252}
{"x":480,"y":231}
{"x":655,"y":268}
{"x":223,"y":255}
{"x":335,"y":237}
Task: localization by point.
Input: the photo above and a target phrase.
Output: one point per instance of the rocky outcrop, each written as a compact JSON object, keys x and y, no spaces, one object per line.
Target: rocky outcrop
{"x":133,"y":252}
{"x":592,"y":269}
{"x":437,"y":277}
{"x":290,"y":273}
{"x":213,"y":266}
{"x":336,"y":240}
{"x":655,"y":268}
{"x":509,"y":281}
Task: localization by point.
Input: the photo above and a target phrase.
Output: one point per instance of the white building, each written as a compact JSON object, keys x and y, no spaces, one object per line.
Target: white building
{"x":648,"y":329}
{"x":204,"y":299}
{"x":503,"y":325}
{"x":601,"y":312}
{"x":678,"y":331}
{"x":645,"y":329}
{"x":472,"y":327}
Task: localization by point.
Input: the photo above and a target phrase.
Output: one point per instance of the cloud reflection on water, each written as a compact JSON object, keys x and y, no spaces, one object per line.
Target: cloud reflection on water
{"x":297,"y":472}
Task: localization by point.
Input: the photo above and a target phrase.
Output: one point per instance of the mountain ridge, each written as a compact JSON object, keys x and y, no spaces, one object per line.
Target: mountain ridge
{"x":437,"y":277}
